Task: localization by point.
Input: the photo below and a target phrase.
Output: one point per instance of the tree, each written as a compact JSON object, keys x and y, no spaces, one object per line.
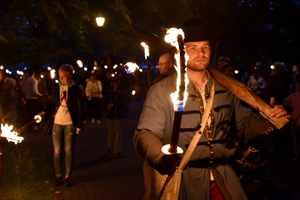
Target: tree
{"x":38,"y":32}
{"x":35,"y":32}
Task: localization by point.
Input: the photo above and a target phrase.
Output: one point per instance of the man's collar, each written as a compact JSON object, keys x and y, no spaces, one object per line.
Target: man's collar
{"x":171,"y":71}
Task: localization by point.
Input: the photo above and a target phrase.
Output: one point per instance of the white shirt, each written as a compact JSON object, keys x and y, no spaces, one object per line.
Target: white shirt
{"x":62,"y":116}
{"x":30,"y":87}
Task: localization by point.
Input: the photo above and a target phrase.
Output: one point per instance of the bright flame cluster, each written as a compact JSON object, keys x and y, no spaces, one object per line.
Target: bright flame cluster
{"x":130,"y":67}
{"x":10,"y":135}
{"x":171,"y":37}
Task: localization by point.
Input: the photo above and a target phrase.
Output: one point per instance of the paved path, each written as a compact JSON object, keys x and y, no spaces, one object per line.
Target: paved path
{"x":97,"y":177}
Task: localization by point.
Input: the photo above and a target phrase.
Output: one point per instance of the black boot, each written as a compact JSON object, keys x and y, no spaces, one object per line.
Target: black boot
{"x":68,"y":182}
{"x":58,"y":181}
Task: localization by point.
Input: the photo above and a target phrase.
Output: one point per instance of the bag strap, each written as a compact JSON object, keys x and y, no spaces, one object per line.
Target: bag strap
{"x":199,"y":132}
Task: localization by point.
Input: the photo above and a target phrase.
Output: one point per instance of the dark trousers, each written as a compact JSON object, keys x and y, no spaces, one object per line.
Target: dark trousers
{"x":31,"y":108}
{"x":96,"y":106}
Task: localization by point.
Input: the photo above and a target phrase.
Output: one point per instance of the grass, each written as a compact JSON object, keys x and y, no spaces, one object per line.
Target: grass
{"x":26,"y":171}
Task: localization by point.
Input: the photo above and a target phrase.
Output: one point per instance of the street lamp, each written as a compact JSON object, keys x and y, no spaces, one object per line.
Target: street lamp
{"x":100,"y":21}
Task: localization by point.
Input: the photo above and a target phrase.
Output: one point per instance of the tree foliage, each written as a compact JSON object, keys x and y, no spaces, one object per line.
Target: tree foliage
{"x":34,"y":32}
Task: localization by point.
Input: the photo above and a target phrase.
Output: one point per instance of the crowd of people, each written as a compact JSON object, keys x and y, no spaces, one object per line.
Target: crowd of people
{"x":65,"y":106}
{"x":280,"y":83}
{"x":72,"y":102}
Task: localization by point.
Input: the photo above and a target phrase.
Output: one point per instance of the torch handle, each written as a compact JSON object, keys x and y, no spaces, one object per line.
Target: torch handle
{"x":178,"y":113}
{"x":182,"y":67}
{"x":1,"y":166}
{"x":149,"y":72}
{"x":42,"y":114}
{"x":25,"y":126}
{"x":139,"y":86}
{"x":176,"y":129}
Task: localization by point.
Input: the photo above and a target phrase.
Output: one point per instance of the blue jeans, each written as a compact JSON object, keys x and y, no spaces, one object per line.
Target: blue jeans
{"x":63,"y":136}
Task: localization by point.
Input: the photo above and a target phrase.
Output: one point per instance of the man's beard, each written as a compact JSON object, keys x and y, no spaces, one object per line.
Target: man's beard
{"x":197,"y":67}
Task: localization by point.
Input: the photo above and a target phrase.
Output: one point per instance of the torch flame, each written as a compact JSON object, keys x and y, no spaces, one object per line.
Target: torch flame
{"x":146,"y":47}
{"x":171,"y":37}
{"x":11,"y":136}
{"x":52,"y":73}
{"x":130,"y":67}
{"x":79,"y":63}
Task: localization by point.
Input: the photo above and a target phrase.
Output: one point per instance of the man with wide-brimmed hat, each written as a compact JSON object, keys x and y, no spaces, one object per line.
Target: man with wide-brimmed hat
{"x":208,"y":174}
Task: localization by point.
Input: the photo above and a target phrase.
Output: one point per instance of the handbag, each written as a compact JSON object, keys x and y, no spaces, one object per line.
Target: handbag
{"x":167,"y":187}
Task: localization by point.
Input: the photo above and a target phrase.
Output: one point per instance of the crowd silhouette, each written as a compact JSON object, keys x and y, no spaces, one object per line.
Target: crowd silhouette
{"x":19,"y":103}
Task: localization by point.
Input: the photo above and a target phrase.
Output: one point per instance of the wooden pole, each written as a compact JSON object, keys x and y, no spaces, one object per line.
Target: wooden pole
{"x":148,"y":72}
{"x":180,"y":98}
{"x":1,"y":166}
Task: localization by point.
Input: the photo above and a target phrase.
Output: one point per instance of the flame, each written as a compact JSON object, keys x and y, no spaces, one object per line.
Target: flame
{"x":146,"y":47}
{"x":52,"y":73}
{"x":11,"y":136}
{"x":171,"y":37}
{"x":79,"y":63}
{"x":130,"y":67}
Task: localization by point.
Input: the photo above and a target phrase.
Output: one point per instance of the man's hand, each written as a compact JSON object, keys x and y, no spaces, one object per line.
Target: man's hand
{"x":277,"y":110}
{"x":168,"y":163}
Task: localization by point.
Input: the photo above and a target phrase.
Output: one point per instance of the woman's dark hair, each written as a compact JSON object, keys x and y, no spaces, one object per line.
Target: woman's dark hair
{"x":31,"y":71}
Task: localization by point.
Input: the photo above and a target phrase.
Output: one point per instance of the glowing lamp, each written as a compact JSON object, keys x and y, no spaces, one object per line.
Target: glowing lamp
{"x":100,"y":21}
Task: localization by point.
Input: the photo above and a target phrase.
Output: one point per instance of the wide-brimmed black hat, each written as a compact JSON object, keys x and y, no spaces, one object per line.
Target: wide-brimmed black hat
{"x":195,"y":30}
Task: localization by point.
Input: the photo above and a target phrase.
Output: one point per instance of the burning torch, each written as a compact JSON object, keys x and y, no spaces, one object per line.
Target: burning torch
{"x":146,"y":47}
{"x":13,"y":136}
{"x":175,"y":37}
{"x":37,"y":119}
{"x":130,"y":69}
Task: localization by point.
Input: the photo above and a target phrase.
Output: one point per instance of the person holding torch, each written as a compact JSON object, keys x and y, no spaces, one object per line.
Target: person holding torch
{"x":65,"y":113}
{"x":208,"y":173}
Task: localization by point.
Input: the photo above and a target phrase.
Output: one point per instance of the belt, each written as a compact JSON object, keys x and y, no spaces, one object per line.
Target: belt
{"x":207,"y":163}
{"x":209,"y":142}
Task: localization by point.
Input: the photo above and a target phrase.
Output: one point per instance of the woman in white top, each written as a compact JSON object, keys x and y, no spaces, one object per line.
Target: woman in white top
{"x":94,"y":94}
{"x":66,"y":112}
